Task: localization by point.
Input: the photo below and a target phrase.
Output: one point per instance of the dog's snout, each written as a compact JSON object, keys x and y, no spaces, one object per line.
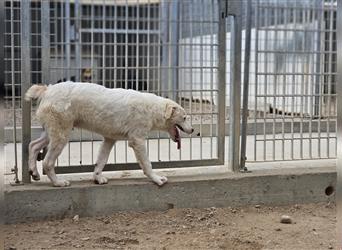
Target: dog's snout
{"x":192,"y":130}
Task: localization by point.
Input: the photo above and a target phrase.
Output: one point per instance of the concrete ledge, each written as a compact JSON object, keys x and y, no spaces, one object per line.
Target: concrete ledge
{"x":270,"y":187}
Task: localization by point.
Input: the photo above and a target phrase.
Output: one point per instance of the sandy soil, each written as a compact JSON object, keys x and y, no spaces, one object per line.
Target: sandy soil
{"x":254,"y":227}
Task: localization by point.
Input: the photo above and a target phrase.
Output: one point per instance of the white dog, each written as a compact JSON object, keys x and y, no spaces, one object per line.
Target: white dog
{"x":113,"y":113}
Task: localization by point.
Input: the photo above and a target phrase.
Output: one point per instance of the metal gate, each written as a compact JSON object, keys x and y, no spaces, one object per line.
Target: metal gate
{"x":166,"y":47}
{"x":292,"y":101}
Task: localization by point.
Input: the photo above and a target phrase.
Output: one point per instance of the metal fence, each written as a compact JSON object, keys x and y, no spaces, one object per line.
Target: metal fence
{"x":188,"y":51}
{"x":292,"y":94}
{"x":169,"y":48}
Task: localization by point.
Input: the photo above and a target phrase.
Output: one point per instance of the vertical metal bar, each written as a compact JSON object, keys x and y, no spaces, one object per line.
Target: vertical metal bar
{"x":329,"y":70}
{"x":92,"y":66}
{"x":302,"y":91}
{"x":284,"y":89}
{"x":67,"y":38}
{"x":293,"y":87}
{"x":103,"y":43}
{"x":25,"y":12}
{"x":201,"y":76}
{"x":222,"y":82}
{"x":267,"y":22}
{"x":246,"y":84}
{"x":2,"y":113}
{"x":320,"y":13}
{"x":77,"y":11}
{"x":126,"y":60}
{"x":159,"y":61}
{"x":275,"y":85}
{"x":256,"y":77}
{"x":191,"y":15}
{"x":339,"y":125}
{"x":235,"y":94}
{"x":212,"y":42}
{"x":137,"y":68}
{"x":2,"y":105}
{"x":15,"y":167}
{"x":174,"y":49}
{"x":164,"y":29}
{"x":45,"y":13}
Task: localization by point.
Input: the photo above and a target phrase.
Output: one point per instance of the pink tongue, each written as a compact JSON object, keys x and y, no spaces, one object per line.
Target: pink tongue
{"x":178,"y":138}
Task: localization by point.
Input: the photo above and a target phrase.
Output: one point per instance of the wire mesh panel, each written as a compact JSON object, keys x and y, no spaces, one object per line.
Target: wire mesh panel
{"x":292,"y":105}
{"x":164,"y":47}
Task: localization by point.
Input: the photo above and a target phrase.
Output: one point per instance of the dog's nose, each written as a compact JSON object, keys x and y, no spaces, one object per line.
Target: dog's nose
{"x":192,"y":130}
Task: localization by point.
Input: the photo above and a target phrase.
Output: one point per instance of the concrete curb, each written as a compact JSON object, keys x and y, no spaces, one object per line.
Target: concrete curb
{"x":269,"y":187}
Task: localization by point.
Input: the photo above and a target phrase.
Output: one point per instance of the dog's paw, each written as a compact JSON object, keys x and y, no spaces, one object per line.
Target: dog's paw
{"x":159,"y":180}
{"x":35,"y":175}
{"x":61,"y":184}
{"x":100,"y":179}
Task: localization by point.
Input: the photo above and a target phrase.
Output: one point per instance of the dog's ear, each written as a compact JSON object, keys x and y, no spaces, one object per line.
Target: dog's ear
{"x":169,"y":111}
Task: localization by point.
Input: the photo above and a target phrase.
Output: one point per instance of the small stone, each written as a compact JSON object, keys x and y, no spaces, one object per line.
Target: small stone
{"x":330,"y":247}
{"x":12,"y":248}
{"x":76,"y":218}
{"x":278,"y":229}
{"x":285,"y":219}
{"x":61,"y":232}
{"x":234,"y":211}
{"x":85,"y":238}
{"x":257,"y":206}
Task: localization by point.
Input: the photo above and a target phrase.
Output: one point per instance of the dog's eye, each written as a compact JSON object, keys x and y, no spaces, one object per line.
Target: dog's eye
{"x":184,"y":118}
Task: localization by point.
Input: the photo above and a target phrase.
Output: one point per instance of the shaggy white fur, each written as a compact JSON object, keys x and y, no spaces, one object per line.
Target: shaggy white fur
{"x":113,"y":113}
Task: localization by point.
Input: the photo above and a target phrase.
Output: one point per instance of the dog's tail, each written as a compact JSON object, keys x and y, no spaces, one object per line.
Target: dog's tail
{"x":35,"y":92}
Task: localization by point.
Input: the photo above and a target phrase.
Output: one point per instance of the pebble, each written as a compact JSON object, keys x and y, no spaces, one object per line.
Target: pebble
{"x":12,"y":248}
{"x":285,"y":219}
{"x":330,"y":247}
{"x":257,"y":206}
{"x":278,"y":229}
{"x":86,"y":238}
{"x":76,"y":218}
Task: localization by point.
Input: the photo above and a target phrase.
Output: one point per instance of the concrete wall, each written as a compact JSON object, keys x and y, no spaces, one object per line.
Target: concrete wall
{"x":269,"y":187}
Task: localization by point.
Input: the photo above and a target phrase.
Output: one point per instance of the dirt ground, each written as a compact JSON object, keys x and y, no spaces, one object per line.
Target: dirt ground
{"x":254,"y":227}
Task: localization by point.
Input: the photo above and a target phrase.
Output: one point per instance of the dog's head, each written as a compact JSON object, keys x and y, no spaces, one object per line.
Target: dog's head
{"x":176,"y":119}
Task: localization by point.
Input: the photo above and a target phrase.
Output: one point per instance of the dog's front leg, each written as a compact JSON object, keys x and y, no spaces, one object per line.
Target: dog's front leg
{"x":102,"y":159}
{"x":139,"y":148}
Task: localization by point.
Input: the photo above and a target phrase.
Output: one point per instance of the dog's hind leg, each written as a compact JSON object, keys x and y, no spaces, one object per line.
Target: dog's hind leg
{"x":139,"y":148}
{"x":101,"y":161}
{"x":58,"y":139}
{"x":34,"y":148}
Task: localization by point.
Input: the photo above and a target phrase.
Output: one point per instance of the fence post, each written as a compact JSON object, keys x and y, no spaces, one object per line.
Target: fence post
{"x":25,"y":85}
{"x":221,"y":79}
{"x":235,"y":10}
{"x":339,"y":122}
{"x":246,"y":86}
{"x":45,"y":21}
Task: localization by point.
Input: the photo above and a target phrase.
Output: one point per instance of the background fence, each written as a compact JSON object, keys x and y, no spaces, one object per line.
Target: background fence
{"x":292,"y":104}
{"x":165,"y":47}
{"x":171,"y":48}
